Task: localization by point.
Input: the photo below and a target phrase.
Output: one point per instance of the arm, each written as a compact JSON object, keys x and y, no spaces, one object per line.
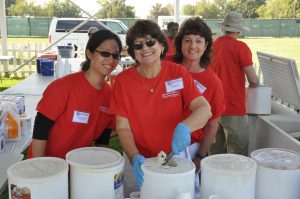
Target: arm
{"x":38,"y":148}
{"x":41,"y":130}
{"x":251,"y":76}
{"x":200,"y":114}
{"x":210,"y":133}
{"x":126,"y":138}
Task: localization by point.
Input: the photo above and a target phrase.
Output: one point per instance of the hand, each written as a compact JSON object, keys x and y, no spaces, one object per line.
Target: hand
{"x":197,"y":163}
{"x":181,"y":138}
{"x":137,"y":161}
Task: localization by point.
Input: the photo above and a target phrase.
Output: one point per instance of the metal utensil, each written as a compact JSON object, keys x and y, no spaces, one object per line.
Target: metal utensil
{"x":168,"y":158}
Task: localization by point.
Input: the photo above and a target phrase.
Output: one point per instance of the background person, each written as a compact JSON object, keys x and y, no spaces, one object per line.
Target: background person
{"x":232,"y":60}
{"x":172,"y":29}
{"x":91,"y":31}
{"x":149,"y":100}
{"x":193,"y":50}
{"x":74,"y":109}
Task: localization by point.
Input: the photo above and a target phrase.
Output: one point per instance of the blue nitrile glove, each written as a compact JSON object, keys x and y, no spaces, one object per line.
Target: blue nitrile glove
{"x":181,"y":138}
{"x":137,"y":161}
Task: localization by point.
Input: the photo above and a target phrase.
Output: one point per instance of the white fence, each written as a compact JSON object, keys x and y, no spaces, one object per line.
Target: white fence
{"x":22,"y":52}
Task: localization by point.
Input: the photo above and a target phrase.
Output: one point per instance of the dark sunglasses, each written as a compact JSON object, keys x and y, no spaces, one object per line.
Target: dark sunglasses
{"x":108,"y":54}
{"x":139,"y":45}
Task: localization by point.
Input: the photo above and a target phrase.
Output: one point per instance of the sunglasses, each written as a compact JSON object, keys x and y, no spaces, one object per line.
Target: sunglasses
{"x":108,"y":54}
{"x":139,"y":45}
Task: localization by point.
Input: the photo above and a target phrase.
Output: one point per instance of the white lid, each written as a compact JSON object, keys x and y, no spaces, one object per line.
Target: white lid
{"x":277,"y":158}
{"x":94,"y":157}
{"x":228,"y":162}
{"x":36,"y":169}
{"x":183,"y":165}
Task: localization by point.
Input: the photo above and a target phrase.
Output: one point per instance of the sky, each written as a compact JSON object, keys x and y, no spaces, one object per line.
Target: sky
{"x":142,"y":7}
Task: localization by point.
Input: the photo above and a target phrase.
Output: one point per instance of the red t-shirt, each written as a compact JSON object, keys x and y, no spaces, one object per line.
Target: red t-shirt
{"x":153,"y":116}
{"x":210,"y":85}
{"x":171,"y":50}
{"x":230,"y":57}
{"x":79,"y":110}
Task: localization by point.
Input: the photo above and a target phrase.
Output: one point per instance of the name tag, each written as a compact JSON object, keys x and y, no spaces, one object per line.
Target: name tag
{"x":174,"y":85}
{"x":80,"y":117}
{"x":200,"y":87}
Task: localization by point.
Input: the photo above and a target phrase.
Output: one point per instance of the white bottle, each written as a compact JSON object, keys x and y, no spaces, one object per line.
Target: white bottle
{"x":59,"y":68}
{"x":67,"y":66}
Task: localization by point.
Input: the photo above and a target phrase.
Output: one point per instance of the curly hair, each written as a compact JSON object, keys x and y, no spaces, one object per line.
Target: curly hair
{"x":194,"y":26}
{"x":142,"y":28}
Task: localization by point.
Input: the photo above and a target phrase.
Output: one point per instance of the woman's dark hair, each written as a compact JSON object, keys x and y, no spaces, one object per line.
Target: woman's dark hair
{"x":97,"y":39}
{"x":194,"y":26}
{"x":142,"y":28}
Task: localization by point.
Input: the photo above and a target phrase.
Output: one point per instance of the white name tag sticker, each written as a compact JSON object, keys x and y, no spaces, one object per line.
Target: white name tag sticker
{"x":174,"y":85}
{"x":200,"y":87}
{"x":80,"y":117}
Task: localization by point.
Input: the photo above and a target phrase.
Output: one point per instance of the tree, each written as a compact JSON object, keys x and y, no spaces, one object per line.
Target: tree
{"x":158,"y":10}
{"x":246,"y":7}
{"x":277,"y":9}
{"x":204,"y":8}
{"x":23,"y":8}
{"x":189,"y":9}
{"x":117,"y":10}
{"x":55,"y":8}
{"x":8,"y":3}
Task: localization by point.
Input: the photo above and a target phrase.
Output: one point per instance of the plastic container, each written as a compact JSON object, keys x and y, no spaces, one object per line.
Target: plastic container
{"x":278,"y":173}
{"x":166,"y":182}
{"x":96,"y":172}
{"x":25,"y":124}
{"x":229,"y":176}
{"x":65,"y":51}
{"x":259,"y":100}
{"x":44,"y":177}
{"x":47,"y":67}
{"x":38,"y":65}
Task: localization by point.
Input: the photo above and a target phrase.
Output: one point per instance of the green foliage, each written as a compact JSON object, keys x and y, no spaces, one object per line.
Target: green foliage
{"x":274,"y":9}
{"x":158,"y":10}
{"x":23,"y":8}
{"x":204,"y":8}
{"x":62,"y":9}
{"x":54,"y":8}
{"x":246,"y":7}
{"x":117,"y":10}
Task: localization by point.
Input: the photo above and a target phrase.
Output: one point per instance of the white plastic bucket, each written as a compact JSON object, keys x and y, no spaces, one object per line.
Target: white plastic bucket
{"x":278,"y":173}
{"x":229,"y":176}
{"x":44,"y":177}
{"x":96,"y":172}
{"x":167,"y":182}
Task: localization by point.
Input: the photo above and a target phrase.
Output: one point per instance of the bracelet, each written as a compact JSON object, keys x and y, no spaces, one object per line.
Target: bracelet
{"x":200,"y":156}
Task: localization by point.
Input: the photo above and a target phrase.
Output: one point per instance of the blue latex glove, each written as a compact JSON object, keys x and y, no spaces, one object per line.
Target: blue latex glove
{"x":181,"y":138}
{"x":137,"y":161}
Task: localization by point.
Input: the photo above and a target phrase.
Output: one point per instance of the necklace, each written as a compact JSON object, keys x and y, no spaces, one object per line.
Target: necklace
{"x":151,"y":89}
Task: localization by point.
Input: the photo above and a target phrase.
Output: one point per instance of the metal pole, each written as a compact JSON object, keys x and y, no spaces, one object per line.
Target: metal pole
{"x":176,"y":11}
{"x":3,"y":35}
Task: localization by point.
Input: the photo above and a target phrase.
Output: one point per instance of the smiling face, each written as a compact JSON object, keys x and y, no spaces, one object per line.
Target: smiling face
{"x":149,"y":53}
{"x":193,"y":47}
{"x":100,"y":63}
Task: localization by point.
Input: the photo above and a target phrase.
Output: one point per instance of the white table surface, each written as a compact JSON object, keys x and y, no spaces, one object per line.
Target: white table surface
{"x":6,"y":161}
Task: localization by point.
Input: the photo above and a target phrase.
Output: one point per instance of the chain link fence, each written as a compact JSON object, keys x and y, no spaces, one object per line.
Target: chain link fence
{"x":39,"y":27}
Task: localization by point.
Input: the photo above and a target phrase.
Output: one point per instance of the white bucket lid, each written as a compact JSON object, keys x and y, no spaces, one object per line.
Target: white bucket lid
{"x":37,"y":169}
{"x":228,"y":163}
{"x":277,"y":158}
{"x":183,"y":166}
{"x":94,"y":157}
